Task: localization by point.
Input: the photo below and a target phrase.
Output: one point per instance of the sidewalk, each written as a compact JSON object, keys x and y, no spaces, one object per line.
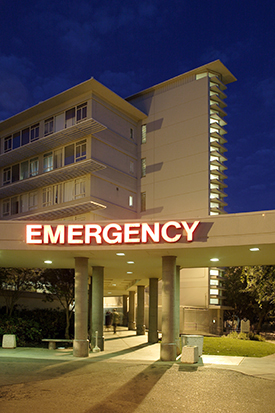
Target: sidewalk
{"x":125,"y":345}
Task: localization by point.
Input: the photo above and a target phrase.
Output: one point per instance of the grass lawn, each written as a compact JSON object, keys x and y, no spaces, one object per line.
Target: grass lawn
{"x":224,"y":346}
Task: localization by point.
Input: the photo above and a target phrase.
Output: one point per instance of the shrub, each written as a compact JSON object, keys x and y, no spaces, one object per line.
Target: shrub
{"x":26,"y":331}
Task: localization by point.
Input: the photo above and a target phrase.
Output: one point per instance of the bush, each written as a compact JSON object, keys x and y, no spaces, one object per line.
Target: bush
{"x":256,"y":337}
{"x":26,"y":331}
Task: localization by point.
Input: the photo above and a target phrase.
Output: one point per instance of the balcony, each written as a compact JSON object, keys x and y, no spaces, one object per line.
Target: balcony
{"x":60,"y":211}
{"x":51,"y":141}
{"x":65,"y":173}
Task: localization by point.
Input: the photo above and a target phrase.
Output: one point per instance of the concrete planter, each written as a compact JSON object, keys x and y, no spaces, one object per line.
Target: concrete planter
{"x":9,"y":341}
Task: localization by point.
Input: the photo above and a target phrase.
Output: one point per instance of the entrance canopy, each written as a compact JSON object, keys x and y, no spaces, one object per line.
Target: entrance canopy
{"x":231,"y":240}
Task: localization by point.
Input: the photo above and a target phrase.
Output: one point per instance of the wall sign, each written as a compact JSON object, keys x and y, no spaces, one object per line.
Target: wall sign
{"x":128,"y":233}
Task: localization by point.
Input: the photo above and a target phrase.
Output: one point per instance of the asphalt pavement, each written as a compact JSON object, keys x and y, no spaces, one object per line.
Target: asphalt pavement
{"x":129,"y":377}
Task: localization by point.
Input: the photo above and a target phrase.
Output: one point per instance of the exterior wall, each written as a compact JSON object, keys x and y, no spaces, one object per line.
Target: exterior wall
{"x":194,"y":291}
{"x":177,"y":150}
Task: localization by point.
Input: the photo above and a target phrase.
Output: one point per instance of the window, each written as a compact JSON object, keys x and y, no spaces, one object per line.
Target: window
{"x":7,"y":144}
{"x":131,"y":201}
{"x":48,"y":162}
{"x":143,"y":167}
{"x":34,"y":132}
{"x":14,"y":205}
{"x":131,"y":133}
{"x":25,"y":136}
{"x":57,"y":159}
{"x":7,"y":176}
{"x":24,"y":203}
{"x":80,"y":151}
{"x":143,"y":202}
{"x":132,"y":167}
{"x":81,"y":112}
{"x":6,"y":208}
{"x":24,"y":170}
{"x":143,"y":133}
{"x":47,"y":196}
{"x":69,"y":117}
{"x":69,"y":154}
{"x":57,"y":194}
{"x":16,"y":140}
{"x":34,"y":165}
{"x":79,"y":188}
{"x":33,"y":197}
{"x":15,"y":172}
{"x":48,"y":126}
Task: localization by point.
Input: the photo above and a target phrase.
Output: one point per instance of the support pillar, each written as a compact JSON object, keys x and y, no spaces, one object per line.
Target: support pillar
{"x":97,"y":306}
{"x":140,"y":310}
{"x":168,"y":344}
{"x":124,"y":323}
{"x":153,"y":311}
{"x":131,"y":318}
{"x":81,"y":342}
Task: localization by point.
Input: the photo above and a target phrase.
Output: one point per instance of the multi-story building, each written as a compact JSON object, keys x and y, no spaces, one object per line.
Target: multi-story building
{"x":87,"y":154}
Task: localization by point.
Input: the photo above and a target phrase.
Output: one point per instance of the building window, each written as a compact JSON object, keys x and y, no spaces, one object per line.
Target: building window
{"x":33,"y":198}
{"x":143,"y":202}
{"x":6,"y":208}
{"x":57,"y":159}
{"x":7,"y":176}
{"x":15,"y":173}
{"x":48,"y":126}
{"x":69,"y":154}
{"x":16,"y":141}
{"x":143,"y":133}
{"x":34,"y":132}
{"x":14,"y":205}
{"x":57,"y":194}
{"x":131,"y":133}
{"x":47,"y":196}
{"x":69,"y":117}
{"x":48,"y":162}
{"x":81,"y":112}
{"x":80,"y":151}
{"x":143,"y":167}
{"x":7,"y":144}
{"x":132,"y":167}
{"x":131,"y":201}
{"x":79,"y":188}
{"x":24,"y":170}
{"x":34,"y":166}
{"x":25,"y":136}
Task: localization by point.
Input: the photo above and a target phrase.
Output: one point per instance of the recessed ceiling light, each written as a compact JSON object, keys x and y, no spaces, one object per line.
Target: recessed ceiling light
{"x":130,"y":262}
{"x":129,"y":272}
{"x":114,"y":285}
{"x":255,"y":249}
{"x":109,"y":292}
{"x":48,"y":262}
{"x":214,"y":259}
{"x":120,"y":254}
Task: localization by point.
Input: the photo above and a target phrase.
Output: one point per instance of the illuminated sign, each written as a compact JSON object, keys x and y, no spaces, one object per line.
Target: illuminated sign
{"x":129,"y":233}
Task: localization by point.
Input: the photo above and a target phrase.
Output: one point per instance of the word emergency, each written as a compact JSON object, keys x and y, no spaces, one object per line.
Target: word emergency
{"x":128,"y":233}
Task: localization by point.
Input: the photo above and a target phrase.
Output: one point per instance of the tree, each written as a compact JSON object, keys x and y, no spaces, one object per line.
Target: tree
{"x":260,"y":284}
{"x":14,"y":282}
{"x":59,"y":283}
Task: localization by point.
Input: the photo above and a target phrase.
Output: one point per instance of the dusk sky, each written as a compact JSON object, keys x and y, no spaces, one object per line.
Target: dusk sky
{"x":49,"y":46}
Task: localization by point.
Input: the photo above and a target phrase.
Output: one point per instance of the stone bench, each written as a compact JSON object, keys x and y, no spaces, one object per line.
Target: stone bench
{"x":52,"y":342}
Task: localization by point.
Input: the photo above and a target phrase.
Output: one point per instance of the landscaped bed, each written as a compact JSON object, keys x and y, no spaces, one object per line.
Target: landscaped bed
{"x":226,"y":346}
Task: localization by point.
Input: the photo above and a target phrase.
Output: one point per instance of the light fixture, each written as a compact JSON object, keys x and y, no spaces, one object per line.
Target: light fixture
{"x":130,"y":262}
{"x":129,"y":272}
{"x":214,"y":259}
{"x":114,"y":285}
{"x":120,"y":254}
{"x":48,"y":262}
{"x":254,"y":249}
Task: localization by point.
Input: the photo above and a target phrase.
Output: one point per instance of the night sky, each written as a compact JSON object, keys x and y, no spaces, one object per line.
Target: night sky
{"x":49,"y":46}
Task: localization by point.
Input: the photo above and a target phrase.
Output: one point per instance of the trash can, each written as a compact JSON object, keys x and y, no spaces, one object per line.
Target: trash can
{"x":192,"y":340}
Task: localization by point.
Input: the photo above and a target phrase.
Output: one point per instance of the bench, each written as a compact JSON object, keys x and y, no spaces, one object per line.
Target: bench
{"x":52,"y":342}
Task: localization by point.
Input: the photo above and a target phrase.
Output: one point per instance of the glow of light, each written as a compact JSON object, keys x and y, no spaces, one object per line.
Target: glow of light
{"x":255,"y":249}
{"x":48,"y":262}
{"x":214,"y":259}
{"x":129,"y":272}
{"x":130,"y":262}
{"x":120,"y":254}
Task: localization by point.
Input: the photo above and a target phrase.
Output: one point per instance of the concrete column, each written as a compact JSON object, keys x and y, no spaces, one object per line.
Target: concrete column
{"x":81,"y":342}
{"x":177,"y":310}
{"x":131,"y":318}
{"x":124,"y":323}
{"x":97,"y":306}
{"x":153,"y":311}
{"x":168,"y":344}
{"x":140,"y":310}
